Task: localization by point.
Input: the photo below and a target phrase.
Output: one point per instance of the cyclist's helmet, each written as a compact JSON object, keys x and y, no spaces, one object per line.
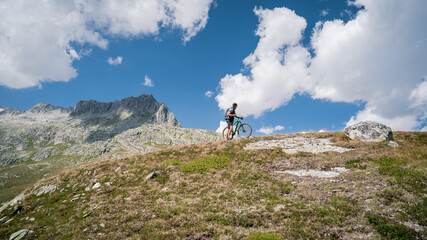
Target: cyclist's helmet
{"x":234,"y":104}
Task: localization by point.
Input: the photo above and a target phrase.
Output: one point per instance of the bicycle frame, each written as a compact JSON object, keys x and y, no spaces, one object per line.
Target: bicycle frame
{"x":233,"y":132}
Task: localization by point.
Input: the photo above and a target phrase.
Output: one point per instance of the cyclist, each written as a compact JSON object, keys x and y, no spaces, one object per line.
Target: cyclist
{"x":230,"y":113}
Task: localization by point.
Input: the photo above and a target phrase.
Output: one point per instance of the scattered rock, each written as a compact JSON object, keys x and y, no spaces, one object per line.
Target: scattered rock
{"x":12,"y":202}
{"x":393,"y":144}
{"x":316,"y":173}
{"x":87,"y":189}
{"x":19,"y":234}
{"x":279,"y":207}
{"x":97,"y":185}
{"x":102,"y":225}
{"x":151,"y":175}
{"x":44,"y":189}
{"x":415,"y":226}
{"x":298,"y":144}
{"x":369,"y":132}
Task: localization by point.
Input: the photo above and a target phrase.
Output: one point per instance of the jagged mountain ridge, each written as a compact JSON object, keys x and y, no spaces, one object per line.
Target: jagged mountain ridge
{"x":144,"y":106}
{"x":142,"y":109}
{"x":53,"y":137}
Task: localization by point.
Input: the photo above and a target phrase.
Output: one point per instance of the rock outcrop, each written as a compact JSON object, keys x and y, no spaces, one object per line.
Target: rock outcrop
{"x":130,"y":112}
{"x":369,"y":131}
{"x":10,"y":111}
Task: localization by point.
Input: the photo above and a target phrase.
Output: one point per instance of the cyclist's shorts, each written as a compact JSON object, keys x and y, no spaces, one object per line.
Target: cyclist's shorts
{"x":229,"y":123}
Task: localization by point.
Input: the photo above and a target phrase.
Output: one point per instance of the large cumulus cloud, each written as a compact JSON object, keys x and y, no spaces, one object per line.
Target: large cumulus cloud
{"x":379,"y":58}
{"x":37,"y":36}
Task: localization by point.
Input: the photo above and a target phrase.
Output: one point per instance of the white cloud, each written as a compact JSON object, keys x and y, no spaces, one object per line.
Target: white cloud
{"x":209,"y":94}
{"x":73,"y":54}
{"x":277,"y":66}
{"x":189,"y":15}
{"x":38,"y":37}
{"x":115,"y":61}
{"x":378,"y":58}
{"x":324,"y":12}
{"x":270,"y":130}
{"x":148,"y":82}
{"x":418,"y":96}
{"x":278,"y":128}
{"x":222,"y":125}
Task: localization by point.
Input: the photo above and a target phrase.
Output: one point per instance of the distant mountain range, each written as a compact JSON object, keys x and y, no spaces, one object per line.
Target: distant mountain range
{"x":137,"y":110}
{"x":53,"y":138}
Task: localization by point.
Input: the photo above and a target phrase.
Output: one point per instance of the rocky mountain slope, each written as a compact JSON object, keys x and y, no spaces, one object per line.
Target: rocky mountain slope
{"x":46,"y":139}
{"x":303,"y":186}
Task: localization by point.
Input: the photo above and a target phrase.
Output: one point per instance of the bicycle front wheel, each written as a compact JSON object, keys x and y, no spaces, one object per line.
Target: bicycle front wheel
{"x":244,"y":131}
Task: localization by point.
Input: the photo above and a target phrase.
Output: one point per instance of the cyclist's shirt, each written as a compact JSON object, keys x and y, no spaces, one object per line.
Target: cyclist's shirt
{"x":232,"y":111}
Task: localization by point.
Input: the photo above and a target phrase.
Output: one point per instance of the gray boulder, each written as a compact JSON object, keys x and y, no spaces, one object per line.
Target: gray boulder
{"x":369,"y":132}
{"x":19,"y":234}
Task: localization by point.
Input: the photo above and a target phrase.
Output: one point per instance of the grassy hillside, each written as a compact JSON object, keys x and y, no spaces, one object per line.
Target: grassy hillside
{"x":39,"y":159}
{"x":222,"y":191}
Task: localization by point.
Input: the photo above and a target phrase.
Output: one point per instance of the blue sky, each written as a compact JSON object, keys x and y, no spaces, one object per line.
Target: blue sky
{"x":182,"y":72}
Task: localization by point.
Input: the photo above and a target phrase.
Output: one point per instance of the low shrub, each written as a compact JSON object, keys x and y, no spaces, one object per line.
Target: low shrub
{"x":264,"y":236}
{"x":389,"y":229}
{"x":204,"y":164}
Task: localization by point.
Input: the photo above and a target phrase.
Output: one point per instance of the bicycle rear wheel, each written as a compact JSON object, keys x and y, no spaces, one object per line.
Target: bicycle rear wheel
{"x":244,"y":131}
{"x":224,"y":133}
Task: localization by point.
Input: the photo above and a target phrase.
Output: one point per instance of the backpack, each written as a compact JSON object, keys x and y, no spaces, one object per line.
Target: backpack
{"x":226,"y":117}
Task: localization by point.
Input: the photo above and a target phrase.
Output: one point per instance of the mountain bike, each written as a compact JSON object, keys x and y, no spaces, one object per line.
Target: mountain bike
{"x":244,"y":130}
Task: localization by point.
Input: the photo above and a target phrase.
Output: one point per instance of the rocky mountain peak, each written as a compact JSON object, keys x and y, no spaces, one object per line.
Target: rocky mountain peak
{"x":163,"y":115}
{"x":142,"y":104}
{"x":41,"y":107}
{"x":6,"y":110}
{"x":131,"y":110}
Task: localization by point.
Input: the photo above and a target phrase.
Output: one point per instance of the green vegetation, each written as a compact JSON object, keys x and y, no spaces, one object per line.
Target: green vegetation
{"x":355,"y":163}
{"x":419,"y":212}
{"x":174,"y":162}
{"x":410,"y":179}
{"x":264,"y":236}
{"x":389,"y":229}
{"x":204,"y":164}
{"x":17,"y":177}
{"x":30,"y":142}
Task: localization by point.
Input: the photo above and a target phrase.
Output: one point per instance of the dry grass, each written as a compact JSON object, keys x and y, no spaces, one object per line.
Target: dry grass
{"x":238,"y":194}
